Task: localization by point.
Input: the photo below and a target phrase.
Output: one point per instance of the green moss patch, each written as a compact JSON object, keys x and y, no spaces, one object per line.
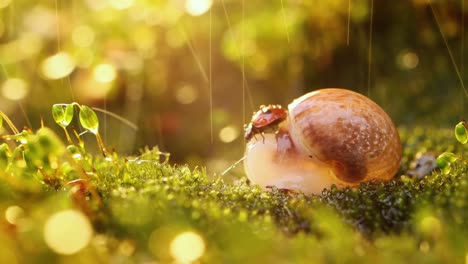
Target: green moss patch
{"x":138,"y":206}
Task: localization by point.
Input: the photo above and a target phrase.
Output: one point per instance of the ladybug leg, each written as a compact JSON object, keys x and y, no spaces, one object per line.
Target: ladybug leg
{"x":263,"y":138}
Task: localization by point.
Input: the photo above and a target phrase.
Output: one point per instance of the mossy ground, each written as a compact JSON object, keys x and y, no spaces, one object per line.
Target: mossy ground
{"x":140,"y":205}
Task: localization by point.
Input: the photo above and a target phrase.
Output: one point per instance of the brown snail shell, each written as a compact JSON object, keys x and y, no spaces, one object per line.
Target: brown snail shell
{"x":331,"y":136}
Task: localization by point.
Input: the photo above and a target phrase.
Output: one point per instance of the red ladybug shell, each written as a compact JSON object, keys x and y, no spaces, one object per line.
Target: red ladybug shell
{"x":268,"y":115}
{"x":265,"y":118}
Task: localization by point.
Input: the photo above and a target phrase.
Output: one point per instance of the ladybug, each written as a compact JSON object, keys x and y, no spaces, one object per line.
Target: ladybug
{"x":266,"y":118}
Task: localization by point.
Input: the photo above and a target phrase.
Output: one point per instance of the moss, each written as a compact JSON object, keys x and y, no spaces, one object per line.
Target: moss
{"x":142,"y":203}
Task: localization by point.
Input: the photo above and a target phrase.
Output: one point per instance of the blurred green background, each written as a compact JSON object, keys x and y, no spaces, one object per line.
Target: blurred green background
{"x":190,"y":73}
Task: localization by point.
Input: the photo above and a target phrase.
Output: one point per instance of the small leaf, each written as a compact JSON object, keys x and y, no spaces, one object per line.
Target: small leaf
{"x":58,"y":113}
{"x":62,"y":114}
{"x":68,"y":117}
{"x":443,"y":164}
{"x":461,"y":133}
{"x":88,"y":119}
{"x":444,"y":161}
{"x":450,"y":157}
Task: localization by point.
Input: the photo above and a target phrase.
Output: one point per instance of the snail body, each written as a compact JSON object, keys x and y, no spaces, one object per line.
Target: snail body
{"x":329,"y":136}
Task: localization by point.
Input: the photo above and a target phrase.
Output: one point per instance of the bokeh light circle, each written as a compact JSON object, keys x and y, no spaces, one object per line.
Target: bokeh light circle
{"x":13,"y":214}
{"x":104,"y":73}
{"x":15,"y":89}
{"x":58,"y":66}
{"x":187,"y":247}
{"x":67,"y":232}
{"x":228,"y":134}
{"x":197,"y":7}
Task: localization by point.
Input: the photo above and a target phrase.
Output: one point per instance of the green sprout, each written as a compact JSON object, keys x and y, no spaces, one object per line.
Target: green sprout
{"x":460,"y":132}
{"x":42,"y":156}
{"x":445,"y":160}
{"x":89,"y":120}
{"x":63,"y":116}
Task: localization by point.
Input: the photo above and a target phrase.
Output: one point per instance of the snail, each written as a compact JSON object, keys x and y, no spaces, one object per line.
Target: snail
{"x":325,"y":137}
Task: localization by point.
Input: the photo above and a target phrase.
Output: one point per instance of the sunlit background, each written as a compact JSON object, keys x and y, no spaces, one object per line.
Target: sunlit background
{"x":190,"y":73}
